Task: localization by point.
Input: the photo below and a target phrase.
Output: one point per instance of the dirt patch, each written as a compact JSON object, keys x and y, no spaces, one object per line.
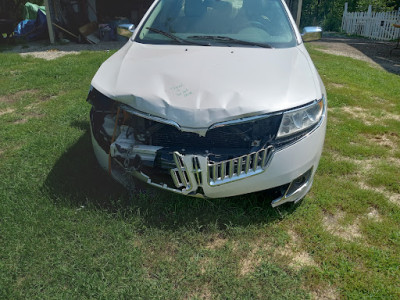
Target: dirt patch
{"x":200,"y":293}
{"x":32,"y":106}
{"x":364,"y":165}
{"x":360,"y":113}
{"x":6,"y":111}
{"x":349,"y":232}
{"x":17,"y":96}
{"x":367,"y":165}
{"x":395,"y":161}
{"x":385,"y":140}
{"x":299,"y":258}
{"x":365,"y":115}
{"x":204,"y":264}
{"x":374,"y":215}
{"x":328,"y":293}
{"x":215,"y":243}
{"x":249,"y":263}
{"x":49,"y":52}
{"x":392,"y":197}
{"x":295,"y":257}
{"x":386,"y":102}
{"x":21,"y":121}
{"x":336,"y":85}
{"x":253,"y":259}
{"x":27,"y":117}
{"x":395,"y":199}
{"x":14,"y":72}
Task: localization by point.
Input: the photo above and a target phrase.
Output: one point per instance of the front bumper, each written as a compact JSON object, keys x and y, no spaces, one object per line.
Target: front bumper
{"x":292,"y":168}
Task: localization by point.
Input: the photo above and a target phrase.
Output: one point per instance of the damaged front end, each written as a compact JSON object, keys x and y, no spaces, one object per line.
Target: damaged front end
{"x":131,"y":144}
{"x":158,"y":152}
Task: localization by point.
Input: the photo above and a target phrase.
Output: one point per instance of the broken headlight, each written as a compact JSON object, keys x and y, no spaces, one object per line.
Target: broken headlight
{"x":300,"y":119}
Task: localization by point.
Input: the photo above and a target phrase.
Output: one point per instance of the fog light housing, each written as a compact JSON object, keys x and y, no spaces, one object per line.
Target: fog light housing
{"x":296,"y":190}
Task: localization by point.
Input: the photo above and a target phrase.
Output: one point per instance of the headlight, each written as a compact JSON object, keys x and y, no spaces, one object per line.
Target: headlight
{"x":297,"y":120}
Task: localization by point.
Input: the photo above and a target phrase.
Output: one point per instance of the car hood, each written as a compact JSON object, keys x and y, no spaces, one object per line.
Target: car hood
{"x":197,"y":86}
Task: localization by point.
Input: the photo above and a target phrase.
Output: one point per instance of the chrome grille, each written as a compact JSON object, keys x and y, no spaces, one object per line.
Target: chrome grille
{"x":239,"y":167}
{"x":188,"y":173}
{"x":179,"y":174}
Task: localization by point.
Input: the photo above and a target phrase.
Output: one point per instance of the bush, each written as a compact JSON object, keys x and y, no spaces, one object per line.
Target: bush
{"x":332,"y":23}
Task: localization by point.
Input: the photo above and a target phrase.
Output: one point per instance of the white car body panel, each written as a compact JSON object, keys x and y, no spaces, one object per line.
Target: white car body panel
{"x":197,"y":86}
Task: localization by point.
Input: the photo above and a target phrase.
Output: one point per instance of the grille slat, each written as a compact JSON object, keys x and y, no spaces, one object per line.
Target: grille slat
{"x":239,"y":165}
{"x":264,"y":157}
{"x":223,"y":170}
{"x":247,"y":164}
{"x":255,"y":161}
{"x":215,"y":173}
{"x":179,"y":174}
{"x":231,"y":166}
{"x":197,"y":170}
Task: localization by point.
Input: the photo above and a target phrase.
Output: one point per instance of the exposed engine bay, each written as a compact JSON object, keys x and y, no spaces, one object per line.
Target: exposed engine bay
{"x":138,"y":143}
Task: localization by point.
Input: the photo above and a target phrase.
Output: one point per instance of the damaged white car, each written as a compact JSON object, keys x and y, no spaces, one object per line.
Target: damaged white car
{"x":212,"y":98}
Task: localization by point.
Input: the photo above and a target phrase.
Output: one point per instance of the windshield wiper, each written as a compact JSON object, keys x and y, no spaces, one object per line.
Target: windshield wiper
{"x":174,"y":37}
{"x":226,"y":39}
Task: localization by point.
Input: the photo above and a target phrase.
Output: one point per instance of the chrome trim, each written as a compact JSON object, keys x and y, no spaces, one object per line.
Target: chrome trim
{"x":262,"y":116}
{"x":219,"y":124}
{"x":231,"y":168}
{"x":240,"y":167}
{"x":244,"y":120}
{"x":179,"y":174}
{"x":188,"y":168}
{"x":306,"y":106}
{"x":125,"y":30}
{"x":296,"y":195}
{"x":149,"y":116}
{"x":197,"y":170}
{"x":311,"y":33}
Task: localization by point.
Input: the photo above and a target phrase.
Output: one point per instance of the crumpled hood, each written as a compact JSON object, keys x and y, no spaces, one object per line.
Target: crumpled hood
{"x":197,"y":86}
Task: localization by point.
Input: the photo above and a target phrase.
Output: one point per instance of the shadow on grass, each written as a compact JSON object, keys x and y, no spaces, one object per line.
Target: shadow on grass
{"x":77,"y":180}
{"x":381,"y":52}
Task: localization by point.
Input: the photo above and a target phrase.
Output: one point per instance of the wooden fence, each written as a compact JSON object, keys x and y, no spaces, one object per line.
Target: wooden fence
{"x":373,"y":25}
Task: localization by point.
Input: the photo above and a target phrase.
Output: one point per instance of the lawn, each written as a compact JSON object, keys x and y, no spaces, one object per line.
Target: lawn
{"x":68,"y":231}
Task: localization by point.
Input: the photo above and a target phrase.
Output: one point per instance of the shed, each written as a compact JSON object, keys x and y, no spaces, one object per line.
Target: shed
{"x":65,"y":18}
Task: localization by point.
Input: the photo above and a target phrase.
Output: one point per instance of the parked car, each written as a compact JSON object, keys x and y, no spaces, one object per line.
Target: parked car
{"x":212,"y":98}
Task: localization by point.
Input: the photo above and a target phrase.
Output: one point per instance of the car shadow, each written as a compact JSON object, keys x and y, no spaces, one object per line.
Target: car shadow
{"x":77,"y":181}
{"x":377,"y":52}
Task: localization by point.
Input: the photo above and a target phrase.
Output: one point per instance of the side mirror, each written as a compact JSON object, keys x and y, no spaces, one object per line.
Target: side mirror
{"x":311,"y":33}
{"x":125,"y":30}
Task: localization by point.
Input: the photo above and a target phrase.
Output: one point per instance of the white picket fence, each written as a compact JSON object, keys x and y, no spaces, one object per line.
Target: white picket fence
{"x":373,"y":25}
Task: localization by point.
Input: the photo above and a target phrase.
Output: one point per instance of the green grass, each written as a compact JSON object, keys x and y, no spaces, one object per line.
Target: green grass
{"x":68,"y":231}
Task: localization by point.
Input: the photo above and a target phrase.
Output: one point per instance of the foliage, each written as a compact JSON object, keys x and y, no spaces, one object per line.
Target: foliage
{"x":329,"y":13}
{"x":378,"y":5}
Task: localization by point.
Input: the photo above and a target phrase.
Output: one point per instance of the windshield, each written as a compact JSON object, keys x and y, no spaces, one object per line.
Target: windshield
{"x":247,"y":23}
